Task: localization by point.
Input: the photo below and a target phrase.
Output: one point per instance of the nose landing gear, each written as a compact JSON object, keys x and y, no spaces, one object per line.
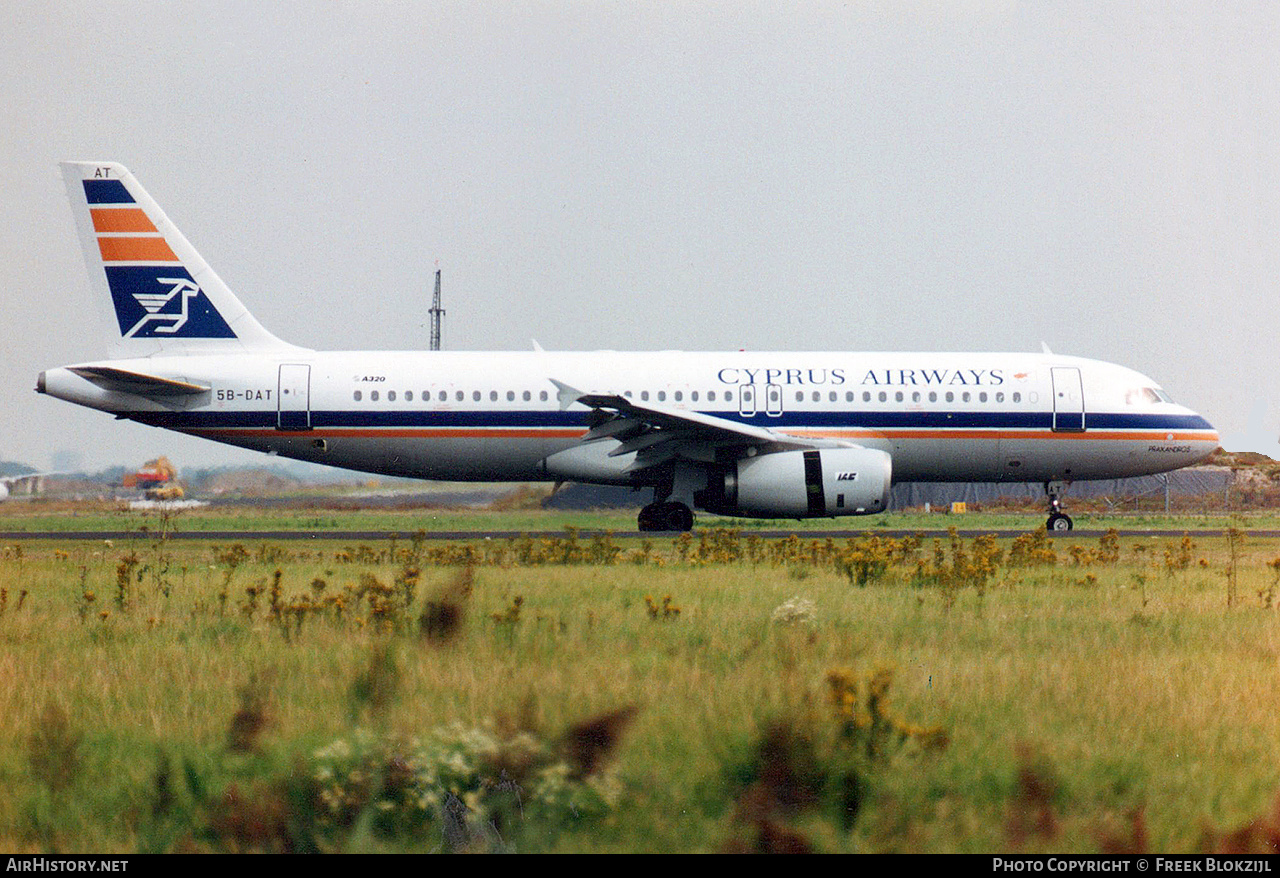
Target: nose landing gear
{"x":1058,"y":521}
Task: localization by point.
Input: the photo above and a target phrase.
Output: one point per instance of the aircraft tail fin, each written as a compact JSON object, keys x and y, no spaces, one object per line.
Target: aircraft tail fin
{"x":165,"y":299}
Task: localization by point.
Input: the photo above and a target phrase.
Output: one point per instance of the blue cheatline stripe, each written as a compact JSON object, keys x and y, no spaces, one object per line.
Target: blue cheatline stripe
{"x":106,"y":192}
{"x":1146,"y":422}
{"x":534,"y":419}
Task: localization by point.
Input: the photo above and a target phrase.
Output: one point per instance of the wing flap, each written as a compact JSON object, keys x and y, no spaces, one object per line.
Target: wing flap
{"x":641,"y":442}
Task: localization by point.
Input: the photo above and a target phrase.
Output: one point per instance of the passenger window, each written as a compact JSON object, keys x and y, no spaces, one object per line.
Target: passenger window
{"x":543,"y":396}
{"x":391,"y":395}
{"x":662,"y":396}
{"x":1017,"y":397}
{"x":799,"y":396}
{"x":679,"y":395}
{"x":915,"y":396}
{"x":373,"y":395}
{"x":965,"y":396}
{"x":408,"y":395}
{"x":728,"y":396}
{"x":982,"y":397}
{"x":493,"y":396}
{"x":527,"y":396}
{"x":817,"y":396}
{"x":1000,"y":397}
{"x":832,"y":396}
{"x":511,"y":396}
{"x":933,"y":396}
{"x":848,"y":396}
{"x":711,"y":396}
{"x":444,"y":395}
{"x":950,"y":396}
{"x":694,"y":396}
{"x":356,"y":396}
{"x":644,"y":396}
{"x":866,"y":396}
{"x":460,"y":396}
{"x":627,"y":394}
{"x":898,"y":396}
{"x":884,"y":397}
{"x":475,"y":395}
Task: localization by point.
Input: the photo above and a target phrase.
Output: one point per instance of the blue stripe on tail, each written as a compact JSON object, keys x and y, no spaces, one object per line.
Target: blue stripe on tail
{"x":106,"y":192}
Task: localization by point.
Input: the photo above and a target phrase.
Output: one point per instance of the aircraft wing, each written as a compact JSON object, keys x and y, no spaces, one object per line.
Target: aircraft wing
{"x":125,"y":381}
{"x":658,"y":434}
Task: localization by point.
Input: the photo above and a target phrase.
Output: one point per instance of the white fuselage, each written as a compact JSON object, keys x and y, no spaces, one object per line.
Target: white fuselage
{"x":495,"y":416}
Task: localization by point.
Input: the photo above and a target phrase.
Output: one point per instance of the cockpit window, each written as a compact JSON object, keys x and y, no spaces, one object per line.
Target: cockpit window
{"x":1146,"y":396}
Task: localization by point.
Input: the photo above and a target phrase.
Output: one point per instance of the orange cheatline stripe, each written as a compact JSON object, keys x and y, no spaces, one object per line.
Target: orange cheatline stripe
{"x":120,"y":219}
{"x":135,"y":250}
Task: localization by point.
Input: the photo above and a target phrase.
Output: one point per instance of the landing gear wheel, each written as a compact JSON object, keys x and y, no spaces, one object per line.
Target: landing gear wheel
{"x":1059,"y":521}
{"x":666,"y":517}
{"x":677,"y":517}
{"x":650,"y":518}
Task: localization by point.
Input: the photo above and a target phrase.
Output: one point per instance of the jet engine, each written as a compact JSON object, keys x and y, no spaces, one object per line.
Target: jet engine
{"x":809,"y":484}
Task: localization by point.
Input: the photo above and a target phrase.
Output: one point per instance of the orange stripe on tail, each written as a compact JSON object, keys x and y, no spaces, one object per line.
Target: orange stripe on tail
{"x":120,"y":219}
{"x":135,"y":250}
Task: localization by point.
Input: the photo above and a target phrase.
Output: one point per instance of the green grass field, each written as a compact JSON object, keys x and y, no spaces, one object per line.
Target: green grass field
{"x":105,"y":516}
{"x":722,"y":693}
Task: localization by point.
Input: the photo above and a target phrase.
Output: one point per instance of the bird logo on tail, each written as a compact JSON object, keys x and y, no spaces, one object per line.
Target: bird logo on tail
{"x":183,"y":290}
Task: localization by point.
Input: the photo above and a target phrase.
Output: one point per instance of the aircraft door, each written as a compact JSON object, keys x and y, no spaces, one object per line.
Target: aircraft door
{"x":1068,"y":400}
{"x":747,"y":400}
{"x":293,"y":397}
{"x":773,"y":400}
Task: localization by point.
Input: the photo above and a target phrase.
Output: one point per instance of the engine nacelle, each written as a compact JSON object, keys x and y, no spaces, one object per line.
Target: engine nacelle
{"x":810,"y":484}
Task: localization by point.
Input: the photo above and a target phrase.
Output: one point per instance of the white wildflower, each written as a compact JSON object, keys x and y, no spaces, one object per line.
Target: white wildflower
{"x":797,"y":610}
{"x":339,"y":749}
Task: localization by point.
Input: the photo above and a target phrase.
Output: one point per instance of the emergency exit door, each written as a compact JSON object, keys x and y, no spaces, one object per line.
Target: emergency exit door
{"x":293,"y":397}
{"x":1068,"y":400}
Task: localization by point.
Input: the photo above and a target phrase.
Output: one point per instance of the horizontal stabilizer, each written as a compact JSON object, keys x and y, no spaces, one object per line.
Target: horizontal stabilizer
{"x":124,"y":381}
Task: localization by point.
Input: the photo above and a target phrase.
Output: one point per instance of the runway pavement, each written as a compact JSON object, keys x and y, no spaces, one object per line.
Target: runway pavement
{"x":457,"y":535}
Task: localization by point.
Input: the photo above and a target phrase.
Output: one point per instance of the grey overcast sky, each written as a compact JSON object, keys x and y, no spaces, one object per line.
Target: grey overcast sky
{"x":651,"y":175}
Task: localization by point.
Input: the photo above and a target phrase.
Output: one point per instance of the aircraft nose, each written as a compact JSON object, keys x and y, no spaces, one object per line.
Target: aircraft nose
{"x":1197,"y":421}
{"x":1208,"y":426}
{"x":1211,"y":441}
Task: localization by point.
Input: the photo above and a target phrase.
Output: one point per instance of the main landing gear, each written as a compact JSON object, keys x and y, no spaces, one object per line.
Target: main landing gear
{"x":666,"y":516}
{"x":1058,"y":521}
{"x":672,"y":506}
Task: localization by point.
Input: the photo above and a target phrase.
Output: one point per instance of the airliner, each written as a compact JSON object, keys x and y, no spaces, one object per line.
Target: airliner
{"x":777,"y":435}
